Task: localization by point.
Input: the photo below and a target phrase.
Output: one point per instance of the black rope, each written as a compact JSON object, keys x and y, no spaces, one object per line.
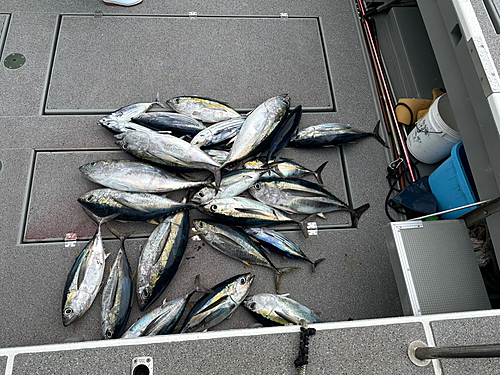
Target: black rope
{"x":412,"y":117}
{"x":302,"y":359}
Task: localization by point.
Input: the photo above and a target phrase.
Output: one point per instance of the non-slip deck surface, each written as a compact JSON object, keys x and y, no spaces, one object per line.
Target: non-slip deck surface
{"x":83,"y":58}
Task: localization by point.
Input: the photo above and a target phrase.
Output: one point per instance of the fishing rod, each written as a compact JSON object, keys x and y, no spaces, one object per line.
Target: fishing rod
{"x":386,"y":102}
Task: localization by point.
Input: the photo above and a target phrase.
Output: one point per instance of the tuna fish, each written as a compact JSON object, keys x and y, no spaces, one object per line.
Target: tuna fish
{"x":130,"y":206}
{"x":280,"y":309}
{"x":328,"y":135}
{"x":116,"y":299}
{"x":214,"y":307}
{"x":136,"y":177}
{"x":204,"y":109}
{"x":85,"y":278}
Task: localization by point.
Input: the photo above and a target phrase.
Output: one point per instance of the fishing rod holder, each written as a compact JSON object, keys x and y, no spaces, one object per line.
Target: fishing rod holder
{"x":421,"y":354}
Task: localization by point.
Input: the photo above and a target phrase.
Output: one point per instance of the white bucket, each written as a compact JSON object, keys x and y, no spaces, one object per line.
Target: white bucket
{"x":435,"y":134}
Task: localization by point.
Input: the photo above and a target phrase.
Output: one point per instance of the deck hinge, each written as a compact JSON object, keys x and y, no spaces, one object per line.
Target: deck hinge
{"x":284,"y":16}
{"x":193,"y":15}
{"x":98,"y":14}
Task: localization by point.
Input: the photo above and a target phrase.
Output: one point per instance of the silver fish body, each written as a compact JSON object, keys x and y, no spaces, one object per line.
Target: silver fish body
{"x":218,"y":133}
{"x":232,"y":242}
{"x":258,"y":126}
{"x":161,"y":256}
{"x":130,"y":206}
{"x":128,"y":112}
{"x":287,"y":169}
{"x":167,"y":150}
{"x":84,"y":279}
{"x":280,"y":309}
{"x":170,"y":121}
{"x":328,"y":135}
{"x":159,"y":321}
{"x":204,"y":109}
{"x":244,"y":211}
{"x":232,"y":184}
{"x":280,"y":244}
{"x":220,"y":156}
{"x":213,"y":308}
{"x":297,"y":196}
{"x":132,"y":176}
{"x":116,"y":299}
{"x":119,"y":127}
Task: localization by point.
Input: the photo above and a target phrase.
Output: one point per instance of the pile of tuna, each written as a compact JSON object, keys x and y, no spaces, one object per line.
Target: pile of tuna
{"x":168,"y":145}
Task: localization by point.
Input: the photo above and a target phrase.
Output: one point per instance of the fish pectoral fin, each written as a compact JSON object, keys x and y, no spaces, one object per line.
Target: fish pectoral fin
{"x":216,"y":303}
{"x":131,"y":205}
{"x":317,"y":312}
{"x":285,"y":317}
{"x":321,"y":215}
{"x":82,"y":270}
{"x":247,"y":264}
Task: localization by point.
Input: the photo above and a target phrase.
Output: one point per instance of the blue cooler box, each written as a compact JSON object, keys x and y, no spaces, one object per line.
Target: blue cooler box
{"x":452,"y":183}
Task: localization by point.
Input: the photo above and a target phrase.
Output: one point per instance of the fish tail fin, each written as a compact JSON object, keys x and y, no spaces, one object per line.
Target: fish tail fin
{"x":377,"y":136}
{"x":121,"y":236}
{"x":317,"y":172}
{"x":98,"y":219}
{"x":358,"y":212}
{"x":200,"y":288}
{"x":158,"y":102}
{"x":303,"y":225}
{"x":314,"y":264}
{"x":279,"y":273}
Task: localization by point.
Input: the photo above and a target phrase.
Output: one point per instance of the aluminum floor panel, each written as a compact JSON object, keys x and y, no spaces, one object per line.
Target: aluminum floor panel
{"x":355,"y":282}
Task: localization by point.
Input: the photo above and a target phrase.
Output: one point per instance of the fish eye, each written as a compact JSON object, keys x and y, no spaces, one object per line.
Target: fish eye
{"x":257,"y":186}
{"x":125,"y":146}
{"x":213,"y":207}
{"x":177,"y":100}
{"x":201,"y":194}
{"x":202,"y":224}
{"x":109,"y":334}
{"x":253,"y":305}
{"x":93,"y":164}
{"x":68,"y":311}
{"x":90,"y":198}
{"x":242,"y":280}
{"x":145,"y":294}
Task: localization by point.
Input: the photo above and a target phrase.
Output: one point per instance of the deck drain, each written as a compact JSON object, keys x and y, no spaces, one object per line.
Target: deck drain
{"x":14,"y":61}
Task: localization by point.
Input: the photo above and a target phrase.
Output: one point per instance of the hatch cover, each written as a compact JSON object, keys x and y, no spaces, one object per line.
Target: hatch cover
{"x":103,"y":63}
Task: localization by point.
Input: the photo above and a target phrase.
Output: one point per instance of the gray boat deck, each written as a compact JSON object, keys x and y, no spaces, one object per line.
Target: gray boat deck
{"x":85,"y":59}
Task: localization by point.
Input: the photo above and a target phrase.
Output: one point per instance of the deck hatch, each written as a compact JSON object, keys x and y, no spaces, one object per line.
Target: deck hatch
{"x":102,"y":63}
{"x":53,"y":211}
